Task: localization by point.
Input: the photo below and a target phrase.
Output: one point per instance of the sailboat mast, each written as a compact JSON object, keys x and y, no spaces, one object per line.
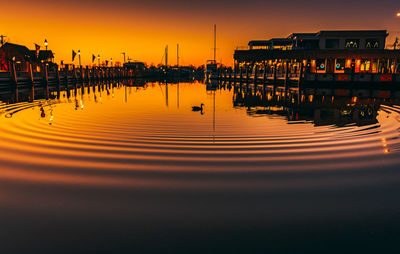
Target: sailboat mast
{"x":215,"y":42}
{"x":177,"y":55}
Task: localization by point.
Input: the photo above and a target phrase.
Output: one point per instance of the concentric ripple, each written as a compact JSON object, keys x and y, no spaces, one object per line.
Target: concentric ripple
{"x":135,"y":168}
{"x":142,"y":137}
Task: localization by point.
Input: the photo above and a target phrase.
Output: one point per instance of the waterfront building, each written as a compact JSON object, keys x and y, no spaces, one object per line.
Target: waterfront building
{"x":22,"y":56}
{"x":13,"y":52}
{"x":339,"y":55}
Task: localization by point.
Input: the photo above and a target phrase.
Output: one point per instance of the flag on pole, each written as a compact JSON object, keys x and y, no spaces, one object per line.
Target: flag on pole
{"x":37,"y":47}
{"x":93,"y":58}
{"x":73,"y":55}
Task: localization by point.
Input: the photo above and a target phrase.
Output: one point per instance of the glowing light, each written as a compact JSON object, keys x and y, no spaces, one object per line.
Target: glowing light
{"x":398,"y":14}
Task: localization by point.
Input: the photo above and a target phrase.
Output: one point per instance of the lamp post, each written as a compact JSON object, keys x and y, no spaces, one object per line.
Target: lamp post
{"x":45,"y":43}
{"x":124,"y":56}
{"x":98,"y":59}
{"x":79,"y":54}
{"x":111,"y":62}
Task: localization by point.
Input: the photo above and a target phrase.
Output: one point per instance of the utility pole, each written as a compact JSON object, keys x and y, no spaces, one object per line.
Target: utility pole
{"x":166,"y":56}
{"x":2,"y":39}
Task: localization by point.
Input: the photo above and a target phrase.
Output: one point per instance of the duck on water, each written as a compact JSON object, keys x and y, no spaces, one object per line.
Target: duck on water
{"x":197,"y":108}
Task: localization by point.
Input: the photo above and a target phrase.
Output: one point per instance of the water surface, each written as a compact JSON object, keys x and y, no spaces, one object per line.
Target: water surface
{"x":114,"y":168}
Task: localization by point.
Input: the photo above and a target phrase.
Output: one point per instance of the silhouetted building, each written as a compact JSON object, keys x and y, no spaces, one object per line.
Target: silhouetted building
{"x":326,"y":52}
{"x":13,"y":52}
{"x":44,"y":56}
{"x":21,"y":55}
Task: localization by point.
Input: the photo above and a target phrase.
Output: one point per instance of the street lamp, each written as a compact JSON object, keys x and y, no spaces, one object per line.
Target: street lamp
{"x":124,"y":56}
{"x":45,"y":43}
{"x":79,"y":54}
{"x":98,"y":59}
{"x":111,"y":62}
{"x":398,"y":14}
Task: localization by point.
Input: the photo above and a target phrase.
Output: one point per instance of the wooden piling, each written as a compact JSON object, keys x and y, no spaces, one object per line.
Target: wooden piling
{"x":14,"y":80}
{"x":286,"y":76}
{"x":241,"y":74}
{"x":255,"y":75}
{"x":31,"y":83}
{"x":66,"y":76}
{"x":58,"y":84}
{"x":75,"y":76}
{"x":87,"y":76}
{"x":46,"y":80}
{"x":265,"y":74}
{"x":300,"y":81}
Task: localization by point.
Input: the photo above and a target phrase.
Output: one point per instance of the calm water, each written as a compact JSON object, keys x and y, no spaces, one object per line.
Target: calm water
{"x":120,"y":169}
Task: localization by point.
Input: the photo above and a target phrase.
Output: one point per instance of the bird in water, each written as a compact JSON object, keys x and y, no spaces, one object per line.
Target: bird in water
{"x":197,"y":108}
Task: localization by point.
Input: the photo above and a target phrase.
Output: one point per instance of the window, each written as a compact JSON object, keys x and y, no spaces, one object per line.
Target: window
{"x":340,"y":64}
{"x":372,"y":43}
{"x":321,"y":64}
{"x":365,"y":65}
{"x":332,"y":43}
{"x":352,"y":43}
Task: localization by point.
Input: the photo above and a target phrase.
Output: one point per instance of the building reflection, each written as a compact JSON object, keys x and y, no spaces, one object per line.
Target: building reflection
{"x":313,"y":105}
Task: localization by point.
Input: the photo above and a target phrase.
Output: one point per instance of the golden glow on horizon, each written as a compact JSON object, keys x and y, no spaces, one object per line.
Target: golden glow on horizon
{"x":109,"y":29}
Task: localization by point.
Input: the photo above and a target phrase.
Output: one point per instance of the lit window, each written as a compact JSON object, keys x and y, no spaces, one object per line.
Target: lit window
{"x":352,"y":43}
{"x":365,"y":65}
{"x":340,"y":64}
{"x":372,"y":44}
{"x":321,"y":64}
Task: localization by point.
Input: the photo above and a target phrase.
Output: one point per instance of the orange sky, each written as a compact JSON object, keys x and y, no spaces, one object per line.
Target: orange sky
{"x":142,"y":30}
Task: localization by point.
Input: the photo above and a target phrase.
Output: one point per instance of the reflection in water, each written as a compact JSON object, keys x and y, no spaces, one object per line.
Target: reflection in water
{"x":120,"y":165}
{"x":321,"y":110}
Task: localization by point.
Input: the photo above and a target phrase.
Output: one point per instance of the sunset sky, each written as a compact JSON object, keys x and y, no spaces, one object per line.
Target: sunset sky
{"x":142,"y":29}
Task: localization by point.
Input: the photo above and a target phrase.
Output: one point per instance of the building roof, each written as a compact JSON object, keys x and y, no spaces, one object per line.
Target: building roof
{"x":43,"y":54}
{"x":304,"y":36}
{"x":14,"y":47}
{"x":259,"y":43}
{"x":260,"y":55}
{"x":274,"y":42}
{"x":346,"y":33}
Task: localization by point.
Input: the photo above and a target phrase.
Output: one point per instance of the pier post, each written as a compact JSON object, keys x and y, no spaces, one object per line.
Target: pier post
{"x":13,"y":73}
{"x":265,"y":73}
{"x":87,"y":76}
{"x":275,"y":80}
{"x":46,"y":80}
{"x":255,"y":75}
{"x":66,"y":76}
{"x":300,"y":81}
{"x":240,"y":74}
{"x":58,"y":82}
{"x":75,"y":76}
{"x":93,"y":74}
{"x":286,"y":77}
{"x":82,"y":76}
{"x":31,"y":83}
{"x":248,"y":72}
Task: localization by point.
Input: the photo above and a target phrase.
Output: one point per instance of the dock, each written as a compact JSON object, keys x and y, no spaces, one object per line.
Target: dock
{"x":47,"y":81}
